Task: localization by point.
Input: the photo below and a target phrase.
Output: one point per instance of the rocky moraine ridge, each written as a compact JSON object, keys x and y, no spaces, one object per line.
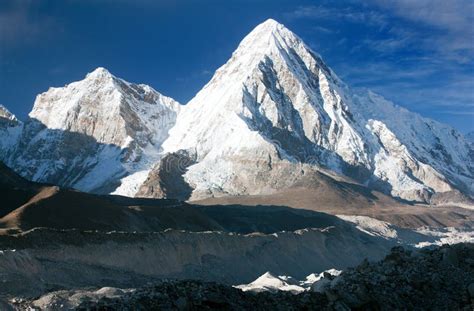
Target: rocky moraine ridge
{"x":437,"y":279}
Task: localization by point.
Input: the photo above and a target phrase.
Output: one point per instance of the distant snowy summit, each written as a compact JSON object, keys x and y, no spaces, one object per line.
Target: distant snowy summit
{"x":92,"y":133}
{"x":275,"y":116}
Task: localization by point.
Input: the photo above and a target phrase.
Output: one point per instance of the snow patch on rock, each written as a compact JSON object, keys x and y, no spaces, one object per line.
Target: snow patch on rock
{"x":271,"y":283}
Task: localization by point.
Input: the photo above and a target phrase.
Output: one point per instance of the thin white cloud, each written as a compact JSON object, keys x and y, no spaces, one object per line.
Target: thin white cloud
{"x":421,"y":52}
{"x":451,"y":23}
{"x":389,"y":45}
{"x":458,"y":112}
{"x":419,"y":86}
{"x":330,"y":13}
{"x":322,"y":29}
{"x":452,"y":15}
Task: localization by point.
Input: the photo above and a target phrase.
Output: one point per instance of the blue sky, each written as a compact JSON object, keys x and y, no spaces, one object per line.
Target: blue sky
{"x":419,"y":54}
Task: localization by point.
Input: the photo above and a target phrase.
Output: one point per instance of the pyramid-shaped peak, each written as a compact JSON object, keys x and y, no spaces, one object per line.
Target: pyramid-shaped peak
{"x":99,"y":73}
{"x":270,"y":26}
{"x":267,"y":36}
{"x":100,"y":70}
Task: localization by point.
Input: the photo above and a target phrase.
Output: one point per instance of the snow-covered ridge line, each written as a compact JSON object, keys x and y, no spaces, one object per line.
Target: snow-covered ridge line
{"x":270,"y":118}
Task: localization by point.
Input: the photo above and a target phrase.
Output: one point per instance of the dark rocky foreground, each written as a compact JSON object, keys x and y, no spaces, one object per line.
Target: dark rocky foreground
{"x":436,"y":279}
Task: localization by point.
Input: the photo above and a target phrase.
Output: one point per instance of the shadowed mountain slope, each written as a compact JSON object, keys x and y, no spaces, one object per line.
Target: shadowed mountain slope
{"x":32,"y":205}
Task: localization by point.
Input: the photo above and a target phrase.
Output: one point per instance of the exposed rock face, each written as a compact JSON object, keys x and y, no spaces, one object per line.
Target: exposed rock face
{"x":89,"y":134}
{"x":166,"y":178}
{"x":275,"y":107}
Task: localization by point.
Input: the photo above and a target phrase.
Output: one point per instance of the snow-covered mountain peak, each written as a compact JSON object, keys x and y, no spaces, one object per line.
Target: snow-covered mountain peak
{"x":268,"y":54}
{"x":118,"y":127}
{"x":267,"y":40}
{"x":275,"y":101}
{"x":104,"y":107}
{"x":264,"y":32}
{"x":268,"y":32}
{"x":269,"y":24}
{"x":100,"y":73}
